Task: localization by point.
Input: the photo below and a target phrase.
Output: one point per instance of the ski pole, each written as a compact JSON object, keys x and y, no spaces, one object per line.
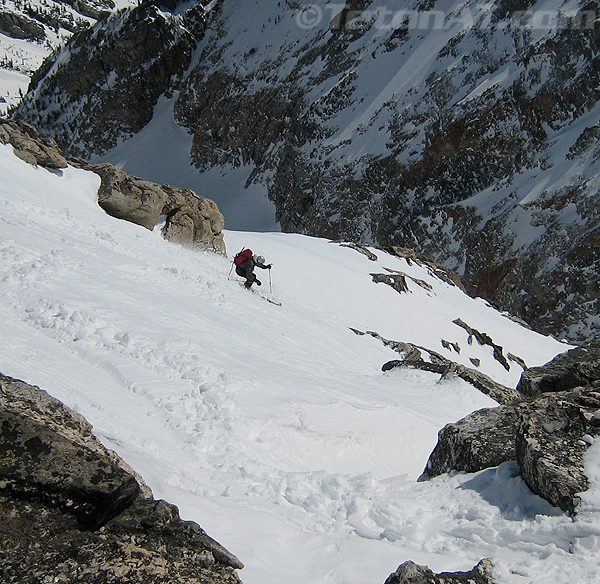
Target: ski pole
{"x":270,"y":285}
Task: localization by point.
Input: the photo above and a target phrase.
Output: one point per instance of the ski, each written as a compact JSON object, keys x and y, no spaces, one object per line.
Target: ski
{"x":271,"y":301}
{"x":257,"y":293}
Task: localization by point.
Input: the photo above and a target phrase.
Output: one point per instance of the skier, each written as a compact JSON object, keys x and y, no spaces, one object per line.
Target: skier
{"x":245,"y":262}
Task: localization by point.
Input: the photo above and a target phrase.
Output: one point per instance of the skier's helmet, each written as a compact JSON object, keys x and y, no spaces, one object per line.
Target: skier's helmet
{"x":260,"y":259}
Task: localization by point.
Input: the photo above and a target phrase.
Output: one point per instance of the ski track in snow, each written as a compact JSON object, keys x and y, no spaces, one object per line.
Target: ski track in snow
{"x":272,"y":427}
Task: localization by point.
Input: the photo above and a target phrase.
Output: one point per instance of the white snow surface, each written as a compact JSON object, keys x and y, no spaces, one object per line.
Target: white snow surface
{"x":273,"y":427}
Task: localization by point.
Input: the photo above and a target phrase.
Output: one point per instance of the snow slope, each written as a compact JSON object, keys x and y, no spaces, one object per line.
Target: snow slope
{"x":273,"y":427}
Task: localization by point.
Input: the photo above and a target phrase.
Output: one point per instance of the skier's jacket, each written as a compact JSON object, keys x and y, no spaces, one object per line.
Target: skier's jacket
{"x":241,"y":257}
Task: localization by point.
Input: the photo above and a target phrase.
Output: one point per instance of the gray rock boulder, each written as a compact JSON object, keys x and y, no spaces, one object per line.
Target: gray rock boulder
{"x":189,"y":219}
{"x":574,"y":368}
{"x":552,"y":440}
{"x":37,"y":462}
{"x":30,"y":146}
{"x":547,"y":435}
{"x":411,"y":573}
{"x":483,"y":439}
{"x":71,"y":511}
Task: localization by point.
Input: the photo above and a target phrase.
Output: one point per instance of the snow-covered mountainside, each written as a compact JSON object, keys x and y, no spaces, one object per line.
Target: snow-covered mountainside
{"x":463,"y":129}
{"x":274,"y":427}
{"x":29,"y":32}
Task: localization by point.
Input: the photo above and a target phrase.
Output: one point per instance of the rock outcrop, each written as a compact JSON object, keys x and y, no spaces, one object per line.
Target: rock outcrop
{"x":29,"y":145}
{"x":552,"y":440}
{"x":483,"y":439}
{"x":577,"y":367}
{"x":425,"y":359}
{"x":547,"y":435}
{"x":18,"y":26}
{"x":411,"y":573}
{"x":73,"y":512}
{"x":188,"y":218}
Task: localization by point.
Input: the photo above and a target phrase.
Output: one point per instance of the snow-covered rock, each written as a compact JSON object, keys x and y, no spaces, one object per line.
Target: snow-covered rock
{"x":30,"y":31}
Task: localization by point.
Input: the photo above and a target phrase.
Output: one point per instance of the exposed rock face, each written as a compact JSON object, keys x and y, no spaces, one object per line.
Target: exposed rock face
{"x":30,"y":21}
{"x":411,"y":573}
{"x":547,"y":435}
{"x":188,"y":218}
{"x":71,"y":511}
{"x":579,"y":366}
{"x":20,"y":27}
{"x":30,"y":146}
{"x":119,"y":77}
{"x":33,"y":30}
{"x":551,"y":442}
{"x":426,"y":359}
{"x":484,"y":156}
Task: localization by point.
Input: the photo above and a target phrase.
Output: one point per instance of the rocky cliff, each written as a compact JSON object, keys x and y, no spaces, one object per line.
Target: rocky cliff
{"x":73,"y":512}
{"x":465,"y":130}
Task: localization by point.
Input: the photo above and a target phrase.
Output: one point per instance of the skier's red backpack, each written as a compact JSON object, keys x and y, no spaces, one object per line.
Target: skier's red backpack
{"x":241,"y":257}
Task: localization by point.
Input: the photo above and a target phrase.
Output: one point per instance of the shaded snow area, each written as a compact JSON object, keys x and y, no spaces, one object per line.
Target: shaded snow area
{"x":273,"y":427}
{"x":160,"y":152}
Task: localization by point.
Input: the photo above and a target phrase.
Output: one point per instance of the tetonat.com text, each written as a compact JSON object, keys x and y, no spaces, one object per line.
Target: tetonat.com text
{"x":338,"y":16}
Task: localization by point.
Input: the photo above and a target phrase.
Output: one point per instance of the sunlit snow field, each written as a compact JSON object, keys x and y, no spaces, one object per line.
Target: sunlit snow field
{"x":273,"y":427}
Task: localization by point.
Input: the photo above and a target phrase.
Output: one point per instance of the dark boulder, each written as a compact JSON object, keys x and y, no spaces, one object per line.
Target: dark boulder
{"x":552,"y":440}
{"x":483,"y":439}
{"x":574,"y":368}
{"x":547,"y":435}
{"x":38,"y":463}
{"x":72,"y":511}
